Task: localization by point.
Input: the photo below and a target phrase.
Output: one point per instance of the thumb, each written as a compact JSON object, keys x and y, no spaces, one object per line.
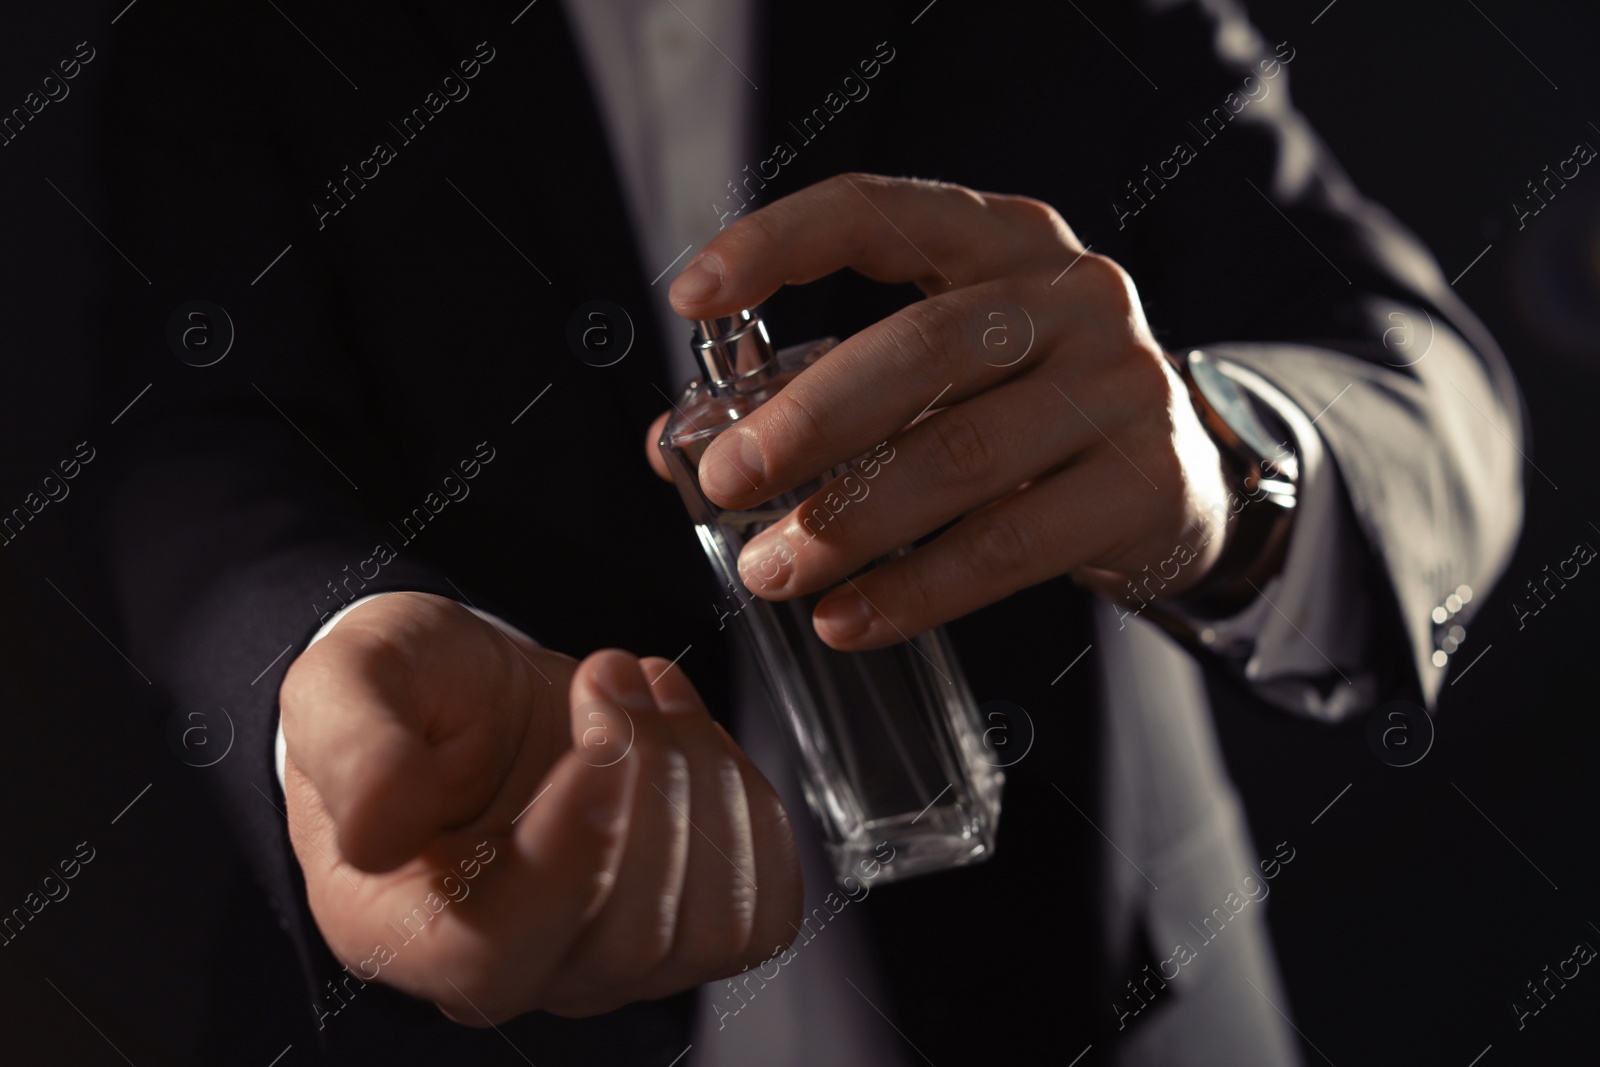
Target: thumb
{"x":351,"y":725}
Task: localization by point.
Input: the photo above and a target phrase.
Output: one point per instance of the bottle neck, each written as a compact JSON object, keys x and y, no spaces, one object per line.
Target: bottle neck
{"x":733,"y":349}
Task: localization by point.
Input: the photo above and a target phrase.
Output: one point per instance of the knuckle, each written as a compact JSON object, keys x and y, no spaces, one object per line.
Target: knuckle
{"x":966,"y":450}
{"x":1031,"y":213}
{"x":849,"y":187}
{"x":757,"y":230}
{"x":1150,"y":385}
{"x":960,"y":192}
{"x":868,"y":179}
{"x":930,"y":328}
{"x":1111,"y":286}
{"x":803,"y":427}
{"x":999,"y":546}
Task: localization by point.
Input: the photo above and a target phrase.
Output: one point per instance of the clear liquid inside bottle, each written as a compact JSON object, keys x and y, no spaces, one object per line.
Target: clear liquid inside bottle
{"x":887,"y":743}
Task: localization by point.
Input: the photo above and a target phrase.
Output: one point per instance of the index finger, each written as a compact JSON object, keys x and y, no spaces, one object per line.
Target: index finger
{"x":865,"y":391}
{"x":937,"y":234}
{"x":356,"y":735}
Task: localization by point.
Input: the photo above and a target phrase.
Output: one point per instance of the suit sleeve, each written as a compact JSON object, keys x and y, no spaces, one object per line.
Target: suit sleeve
{"x":1285,"y":269}
{"x":246,"y":474}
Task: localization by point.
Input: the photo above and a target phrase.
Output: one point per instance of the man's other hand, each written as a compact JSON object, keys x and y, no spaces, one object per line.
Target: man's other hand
{"x":498,"y":828}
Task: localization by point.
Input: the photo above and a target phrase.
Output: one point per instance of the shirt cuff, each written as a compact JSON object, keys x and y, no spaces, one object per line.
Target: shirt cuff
{"x":279,"y":749}
{"x":1300,"y":644}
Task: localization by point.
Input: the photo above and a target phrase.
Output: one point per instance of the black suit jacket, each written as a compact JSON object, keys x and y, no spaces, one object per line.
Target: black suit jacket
{"x":378,"y":346}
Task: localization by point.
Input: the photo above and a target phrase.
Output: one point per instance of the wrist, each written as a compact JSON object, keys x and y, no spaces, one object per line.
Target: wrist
{"x":1261,"y":478}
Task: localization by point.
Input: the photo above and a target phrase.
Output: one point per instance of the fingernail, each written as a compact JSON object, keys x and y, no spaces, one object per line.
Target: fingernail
{"x":621,"y":681}
{"x":699,"y":280}
{"x":732,"y":467}
{"x":844,"y":615}
{"x":765,"y":562}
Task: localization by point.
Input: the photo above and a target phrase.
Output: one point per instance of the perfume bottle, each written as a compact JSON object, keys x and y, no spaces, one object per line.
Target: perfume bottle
{"x":888,"y":744}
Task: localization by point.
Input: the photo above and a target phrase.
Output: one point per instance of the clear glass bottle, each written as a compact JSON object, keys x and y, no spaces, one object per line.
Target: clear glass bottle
{"x":888,"y":743}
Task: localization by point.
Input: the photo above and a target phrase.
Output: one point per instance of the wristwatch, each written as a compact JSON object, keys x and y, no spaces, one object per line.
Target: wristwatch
{"x":1263,"y":475}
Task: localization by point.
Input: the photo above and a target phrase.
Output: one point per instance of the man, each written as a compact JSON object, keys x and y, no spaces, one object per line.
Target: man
{"x":401,"y":414}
